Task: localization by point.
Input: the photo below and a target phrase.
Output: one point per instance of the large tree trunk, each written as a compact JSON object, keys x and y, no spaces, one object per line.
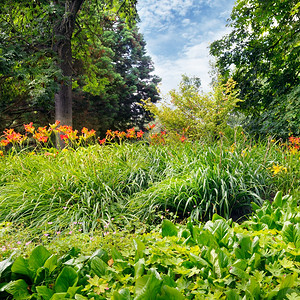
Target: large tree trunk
{"x":63,"y":32}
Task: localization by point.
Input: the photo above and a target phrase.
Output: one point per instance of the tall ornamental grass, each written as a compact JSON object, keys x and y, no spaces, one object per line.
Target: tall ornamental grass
{"x":91,"y":185}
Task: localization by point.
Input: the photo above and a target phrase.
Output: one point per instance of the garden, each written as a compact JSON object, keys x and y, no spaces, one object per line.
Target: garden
{"x":191,"y":195}
{"x":136,"y":215}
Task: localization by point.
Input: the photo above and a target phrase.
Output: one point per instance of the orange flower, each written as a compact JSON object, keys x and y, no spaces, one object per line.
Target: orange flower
{"x":12,"y":136}
{"x":4,"y":143}
{"x":29,"y":127}
{"x":183,"y":138}
{"x":130,"y":133}
{"x":41,"y":137}
{"x":140,"y":134}
{"x":87,"y":134}
{"x":102,"y":142}
{"x":54,"y":126}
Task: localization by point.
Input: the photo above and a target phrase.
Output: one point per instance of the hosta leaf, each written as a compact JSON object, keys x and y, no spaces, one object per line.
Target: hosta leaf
{"x":98,"y":266}
{"x":5,"y":266}
{"x":45,"y":292}
{"x":168,"y":228}
{"x":148,"y":287}
{"x":20,"y":266}
{"x":101,"y":254}
{"x":219,"y":229}
{"x":278,"y":199}
{"x":139,"y":267}
{"x":67,"y":278}
{"x":51,"y":263}
{"x":123,"y":294}
{"x":38,"y":257}
{"x":291,"y":233}
{"x":139,"y":249}
{"x":170,"y":293}
{"x":18,"y":288}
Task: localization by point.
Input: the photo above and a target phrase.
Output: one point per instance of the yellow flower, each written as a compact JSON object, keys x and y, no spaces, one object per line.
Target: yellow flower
{"x":244,"y":152}
{"x":277,"y":169}
{"x":293,"y":150}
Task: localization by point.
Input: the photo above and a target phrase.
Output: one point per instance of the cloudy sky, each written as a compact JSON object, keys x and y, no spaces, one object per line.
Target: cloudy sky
{"x":178,"y":33}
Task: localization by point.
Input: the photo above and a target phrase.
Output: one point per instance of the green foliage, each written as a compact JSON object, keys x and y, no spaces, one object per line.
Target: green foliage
{"x":118,"y":60}
{"x":199,"y":115}
{"x":108,"y":64}
{"x":217,"y":260}
{"x":262,"y":55}
{"x":49,"y":191}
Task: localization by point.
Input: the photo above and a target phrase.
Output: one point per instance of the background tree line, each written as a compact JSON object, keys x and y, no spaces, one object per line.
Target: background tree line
{"x":262,"y":54}
{"x":85,"y":57}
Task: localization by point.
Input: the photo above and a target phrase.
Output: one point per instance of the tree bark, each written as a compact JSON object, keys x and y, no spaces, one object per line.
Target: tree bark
{"x":63,"y":32}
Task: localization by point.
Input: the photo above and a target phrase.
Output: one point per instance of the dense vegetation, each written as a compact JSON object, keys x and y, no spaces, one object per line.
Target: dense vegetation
{"x":262,"y":54}
{"x":191,"y":206}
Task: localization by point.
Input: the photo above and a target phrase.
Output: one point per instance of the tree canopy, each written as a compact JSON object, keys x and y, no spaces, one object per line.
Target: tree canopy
{"x":49,"y":48}
{"x":262,"y":53}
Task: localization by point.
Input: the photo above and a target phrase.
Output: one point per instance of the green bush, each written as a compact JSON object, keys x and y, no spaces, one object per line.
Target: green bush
{"x":195,"y":114}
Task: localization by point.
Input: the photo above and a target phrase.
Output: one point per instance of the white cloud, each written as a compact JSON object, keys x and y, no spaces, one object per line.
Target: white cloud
{"x":178,"y":34}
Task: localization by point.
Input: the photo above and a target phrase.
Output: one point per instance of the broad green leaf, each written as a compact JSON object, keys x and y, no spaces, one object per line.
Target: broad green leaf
{"x":278,"y":200}
{"x":18,"y":288}
{"x":139,"y":268}
{"x":219,"y":229}
{"x":243,"y":248}
{"x":291,"y":233}
{"x":139,"y":248}
{"x":72,"y":291}
{"x":51,"y":263}
{"x":206,"y":238}
{"x":68,"y":277}
{"x":168,"y":228}
{"x":20,"y":266}
{"x":239,"y":273}
{"x":44,"y":292}
{"x":123,"y":294}
{"x":199,"y":261}
{"x":148,"y":287}
{"x":59,"y":296}
{"x":40,"y":275}
{"x":101,"y":254}
{"x":170,"y":293}
{"x":5,"y":266}
{"x":98,"y":266}
{"x":38,"y":257}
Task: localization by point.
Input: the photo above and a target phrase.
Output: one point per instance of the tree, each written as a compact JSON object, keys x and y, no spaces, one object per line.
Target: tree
{"x":262,"y":53}
{"x":195,"y":114}
{"x":36,"y":33}
{"x":125,"y":47}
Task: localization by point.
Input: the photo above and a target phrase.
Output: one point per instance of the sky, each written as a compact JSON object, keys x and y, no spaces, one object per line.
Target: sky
{"x":178,"y":34}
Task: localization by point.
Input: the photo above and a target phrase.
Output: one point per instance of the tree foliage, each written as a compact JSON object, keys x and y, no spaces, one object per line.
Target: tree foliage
{"x":121,"y":63}
{"x":262,"y":53}
{"x":194,"y":113}
{"x":48,"y":47}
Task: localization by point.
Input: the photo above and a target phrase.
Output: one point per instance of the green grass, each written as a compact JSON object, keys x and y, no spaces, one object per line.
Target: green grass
{"x":140,"y":181}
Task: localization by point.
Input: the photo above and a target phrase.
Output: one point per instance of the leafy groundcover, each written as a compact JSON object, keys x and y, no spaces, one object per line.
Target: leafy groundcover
{"x":258,"y":259}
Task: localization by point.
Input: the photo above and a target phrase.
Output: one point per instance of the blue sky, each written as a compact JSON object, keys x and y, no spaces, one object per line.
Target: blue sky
{"x":178,"y":34}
